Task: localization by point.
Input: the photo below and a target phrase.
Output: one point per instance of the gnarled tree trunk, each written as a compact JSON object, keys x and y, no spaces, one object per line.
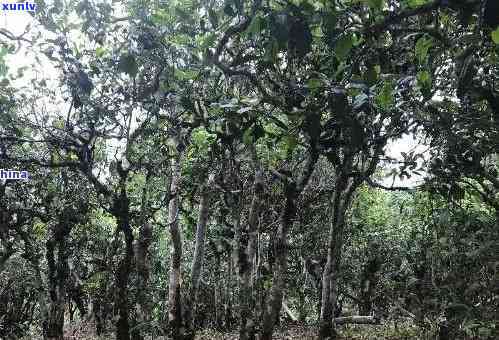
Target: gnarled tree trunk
{"x":344,"y":189}
{"x":142,"y":265}
{"x":174,"y":297}
{"x":58,"y":273}
{"x":281,"y":262}
{"x":292,"y":190}
{"x":57,"y":276}
{"x":197,"y":260}
{"x":246,"y":260}
{"x":121,"y":211}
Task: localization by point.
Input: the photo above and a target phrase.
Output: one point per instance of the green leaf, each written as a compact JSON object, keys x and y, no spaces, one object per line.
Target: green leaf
{"x":202,"y":139}
{"x":495,"y":35}
{"x":100,"y":51}
{"x":356,"y":41}
{"x":248,"y":136}
{"x":40,"y":229}
{"x":256,"y":26}
{"x":314,"y":83}
{"x":424,"y":79}
{"x":384,"y":99}
{"x":317,"y":32}
{"x":422,"y":46}
{"x":291,"y":143}
{"x":127,"y":64}
{"x":199,"y":137}
{"x":160,"y":16}
{"x":343,"y":46}
{"x":416,"y":3}
{"x":186,"y":74}
{"x":58,"y":123}
{"x":208,"y":40}
{"x":180,"y":39}
{"x":376,"y":4}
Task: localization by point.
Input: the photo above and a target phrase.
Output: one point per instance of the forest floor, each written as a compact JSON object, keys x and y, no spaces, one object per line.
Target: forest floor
{"x":359,"y":332}
{"x":347,"y":333}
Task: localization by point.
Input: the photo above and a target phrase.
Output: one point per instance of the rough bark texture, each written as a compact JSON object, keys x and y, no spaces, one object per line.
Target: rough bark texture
{"x":344,"y":189}
{"x":281,"y":262}
{"x":292,"y":190}
{"x":58,"y":272}
{"x":217,"y":250}
{"x":314,"y":268}
{"x":174,"y":297}
{"x":246,"y":260}
{"x":121,"y":212}
{"x":197,"y":260}
{"x":75,"y":290}
{"x":142,"y":265}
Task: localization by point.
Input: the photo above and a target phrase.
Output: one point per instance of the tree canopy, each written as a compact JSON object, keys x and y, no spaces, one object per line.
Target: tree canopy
{"x":202,"y":166}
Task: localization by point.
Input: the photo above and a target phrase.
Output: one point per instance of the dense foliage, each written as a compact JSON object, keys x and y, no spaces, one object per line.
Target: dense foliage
{"x":204,"y":164}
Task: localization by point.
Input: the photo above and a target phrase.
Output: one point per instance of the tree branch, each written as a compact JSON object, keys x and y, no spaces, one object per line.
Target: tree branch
{"x":11,"y":36}
{"x":393,"y":18}
{"x":374,"y":184}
